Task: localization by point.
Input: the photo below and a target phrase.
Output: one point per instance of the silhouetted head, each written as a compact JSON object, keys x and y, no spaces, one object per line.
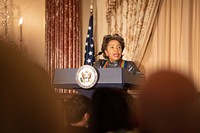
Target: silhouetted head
{"x":76,"y":107}
{"x":169,"y":103}
{"x":27,"y":100}
{"x":112,"y":110}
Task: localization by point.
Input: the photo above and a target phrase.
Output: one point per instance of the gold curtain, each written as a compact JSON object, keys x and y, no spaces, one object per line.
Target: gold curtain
{"x":63,"y":36}
{"x":133,"y":19}
{"x":175,"y":39}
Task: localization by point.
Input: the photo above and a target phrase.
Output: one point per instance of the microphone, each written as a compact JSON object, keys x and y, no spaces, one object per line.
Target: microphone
{"x":98,"y":54}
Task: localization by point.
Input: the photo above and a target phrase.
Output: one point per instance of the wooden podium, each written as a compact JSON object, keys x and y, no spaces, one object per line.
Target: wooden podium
{"x":118,"y":78}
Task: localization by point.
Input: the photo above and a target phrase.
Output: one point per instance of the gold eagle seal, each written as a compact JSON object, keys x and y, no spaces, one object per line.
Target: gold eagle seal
{"x":86,"y":77}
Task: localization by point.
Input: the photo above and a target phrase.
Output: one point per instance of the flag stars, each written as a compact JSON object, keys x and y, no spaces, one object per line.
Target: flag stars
{"x":89,"y":28}
{"x":88,"y":35}
{"x":90,"y":53}
{"x":89,"y":60}
{"x":91,"y":45}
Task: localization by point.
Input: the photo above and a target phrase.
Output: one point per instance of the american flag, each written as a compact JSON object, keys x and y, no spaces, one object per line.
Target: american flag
{"x":89,"y":45}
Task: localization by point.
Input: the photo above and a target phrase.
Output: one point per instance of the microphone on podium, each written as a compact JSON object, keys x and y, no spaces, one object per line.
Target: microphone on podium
{"x":98,"y":54}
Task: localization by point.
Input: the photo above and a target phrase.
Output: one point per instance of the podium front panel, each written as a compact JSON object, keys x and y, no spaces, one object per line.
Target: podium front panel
{"x":108,"y":77}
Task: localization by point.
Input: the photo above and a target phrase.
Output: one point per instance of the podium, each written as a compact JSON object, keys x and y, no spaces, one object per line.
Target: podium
{"x":118,"y":78}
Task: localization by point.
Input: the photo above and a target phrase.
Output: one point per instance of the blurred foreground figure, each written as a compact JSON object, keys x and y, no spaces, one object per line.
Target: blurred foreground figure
{"x":112,"y":111}
{"x":169,"y":104}
{"x":27,"y":101}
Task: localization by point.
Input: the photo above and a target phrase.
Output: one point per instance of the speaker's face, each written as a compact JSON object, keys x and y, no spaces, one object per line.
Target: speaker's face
{"x":114,"y":50}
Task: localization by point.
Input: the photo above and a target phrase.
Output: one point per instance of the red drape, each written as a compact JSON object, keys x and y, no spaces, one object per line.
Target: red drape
{"x":63,"y":34}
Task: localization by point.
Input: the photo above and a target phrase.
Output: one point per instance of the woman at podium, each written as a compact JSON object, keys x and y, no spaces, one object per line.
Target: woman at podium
{"x":112,"y":48}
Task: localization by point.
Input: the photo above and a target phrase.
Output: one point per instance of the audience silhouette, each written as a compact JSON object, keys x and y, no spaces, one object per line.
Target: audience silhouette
{"x":112,"y":110}
{"x":27,"y":100}
{"x":77,"y":113}
{"x":169,"y":104}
